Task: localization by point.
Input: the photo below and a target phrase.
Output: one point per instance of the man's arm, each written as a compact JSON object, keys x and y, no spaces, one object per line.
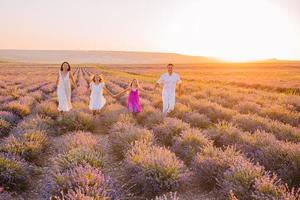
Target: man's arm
{"x":179,"y":82}
{"x":160,"y":81}
{"x":179,"y":89}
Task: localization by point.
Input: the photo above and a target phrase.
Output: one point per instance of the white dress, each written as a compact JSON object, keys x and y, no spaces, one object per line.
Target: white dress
{"x":64,"y":92}
{"x":97,"y":100}
{"x":169,"y":88}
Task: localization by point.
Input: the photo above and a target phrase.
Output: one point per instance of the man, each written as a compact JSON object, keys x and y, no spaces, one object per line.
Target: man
{"x":169,"y":81}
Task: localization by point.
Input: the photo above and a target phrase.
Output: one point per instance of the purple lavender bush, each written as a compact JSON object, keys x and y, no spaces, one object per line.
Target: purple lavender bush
{"x":35,"y":123}
{"x":166,"y":131}
{"x":79,"y":139}
{"x":15,"y":172}
{"x":197,"y":120}
{"x":5,"y":99}
{"x":168,"y":196}
{"x":153,"y":170}
{"x":210,"y":164}
{"x":240,"y":178}
{"x":6,"y":196}
{"x":17,"y":108}
{"x":4,"y":127}
{"x":247,"y":107}
{"x":48,"y":109}
{"x":279,"y":156}
{"x":180,"y":111}
{"x":37,"y":95}
{"x":111,"y":115}
{"x":189,"y":143}
{"x":253,"y":123}
{"x":123,"y":135}
{"x":75,"y":121}
{"x":150,"y":116}
{"x":270,"y":187}
{"x":79,"y":156}
{"x":28,"y":145}
{"x":9,"y":117}
{"x":214,"y":111}
{"x":48,"y":88}
{"x":84,"y":181}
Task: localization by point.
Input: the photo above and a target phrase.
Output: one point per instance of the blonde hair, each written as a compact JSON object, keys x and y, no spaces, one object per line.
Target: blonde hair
{"x":101,"y":79}
{"x":137,"y":82}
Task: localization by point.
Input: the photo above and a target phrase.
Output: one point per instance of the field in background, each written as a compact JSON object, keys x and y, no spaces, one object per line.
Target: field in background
{"x":257,"y":75}
{"x":235,"y":131}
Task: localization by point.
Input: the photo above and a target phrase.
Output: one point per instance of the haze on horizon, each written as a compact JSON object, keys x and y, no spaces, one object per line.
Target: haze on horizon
{"x":235,"y":30}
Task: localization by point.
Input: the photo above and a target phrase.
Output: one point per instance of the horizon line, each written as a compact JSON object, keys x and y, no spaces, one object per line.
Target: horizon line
{"x":159,"y":52}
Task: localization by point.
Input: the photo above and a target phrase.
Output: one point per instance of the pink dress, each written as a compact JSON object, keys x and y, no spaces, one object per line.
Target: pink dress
{"x":133,"y":103}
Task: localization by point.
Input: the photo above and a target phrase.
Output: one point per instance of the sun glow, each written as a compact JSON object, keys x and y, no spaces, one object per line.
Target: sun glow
{"x":234,"y":30}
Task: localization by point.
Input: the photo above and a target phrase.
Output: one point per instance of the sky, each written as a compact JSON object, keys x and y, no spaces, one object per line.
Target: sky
{"x":228,"y":29}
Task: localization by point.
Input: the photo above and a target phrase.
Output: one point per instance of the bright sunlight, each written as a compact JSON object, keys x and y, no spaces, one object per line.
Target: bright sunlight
{"x":233,"y":30}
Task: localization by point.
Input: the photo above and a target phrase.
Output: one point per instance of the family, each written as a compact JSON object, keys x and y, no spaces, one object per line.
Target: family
{"x":65,"y":79}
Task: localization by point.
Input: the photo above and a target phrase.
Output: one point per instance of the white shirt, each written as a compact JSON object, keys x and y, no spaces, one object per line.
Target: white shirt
{"x":169,"y":82}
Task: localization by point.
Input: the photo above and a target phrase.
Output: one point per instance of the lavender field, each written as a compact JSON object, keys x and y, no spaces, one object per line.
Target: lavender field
{"x":234,"y":134}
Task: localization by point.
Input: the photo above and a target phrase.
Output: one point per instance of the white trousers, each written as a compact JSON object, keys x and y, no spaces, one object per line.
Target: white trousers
{"x":168,"y":99}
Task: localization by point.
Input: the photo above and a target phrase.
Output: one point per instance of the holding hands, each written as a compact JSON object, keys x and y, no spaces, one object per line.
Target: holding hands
{"x":133,"y":86}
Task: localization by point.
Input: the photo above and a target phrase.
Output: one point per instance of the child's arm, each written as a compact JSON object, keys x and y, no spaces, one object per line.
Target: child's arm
{"x":108,"y":91}
{"x":145,"y":91}
{"x":156,"y":86}
{"x":123,"y":92}
{"x":90,"y":86}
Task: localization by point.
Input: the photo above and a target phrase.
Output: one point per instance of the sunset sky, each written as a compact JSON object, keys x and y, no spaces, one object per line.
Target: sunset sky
{"x":235,"y":30}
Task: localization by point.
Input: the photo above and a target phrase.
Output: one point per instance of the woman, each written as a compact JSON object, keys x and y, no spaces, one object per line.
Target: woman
{"x":97,"y":100}
{"x":64,"y":79}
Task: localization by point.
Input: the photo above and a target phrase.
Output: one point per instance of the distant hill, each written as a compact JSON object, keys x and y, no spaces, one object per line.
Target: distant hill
{"x":103,"y":57}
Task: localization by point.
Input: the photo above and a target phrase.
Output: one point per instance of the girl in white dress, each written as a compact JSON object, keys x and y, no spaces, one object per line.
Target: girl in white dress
{"x":64,"y":79}
{"x":97,"y":100}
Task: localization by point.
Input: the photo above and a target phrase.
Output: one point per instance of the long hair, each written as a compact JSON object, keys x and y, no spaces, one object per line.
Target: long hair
{"x":137,"y":82}
{"x":101,"y":79}
{"x":69,"y":66}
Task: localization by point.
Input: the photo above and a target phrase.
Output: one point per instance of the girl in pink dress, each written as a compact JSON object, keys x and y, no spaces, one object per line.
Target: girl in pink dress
{"x":133,"y":102}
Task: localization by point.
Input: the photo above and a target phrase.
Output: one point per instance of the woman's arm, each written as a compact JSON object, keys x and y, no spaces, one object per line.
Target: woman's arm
{"x":73,"y":80}
{"x":123,"y":92}
{"x":57,"y":80}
